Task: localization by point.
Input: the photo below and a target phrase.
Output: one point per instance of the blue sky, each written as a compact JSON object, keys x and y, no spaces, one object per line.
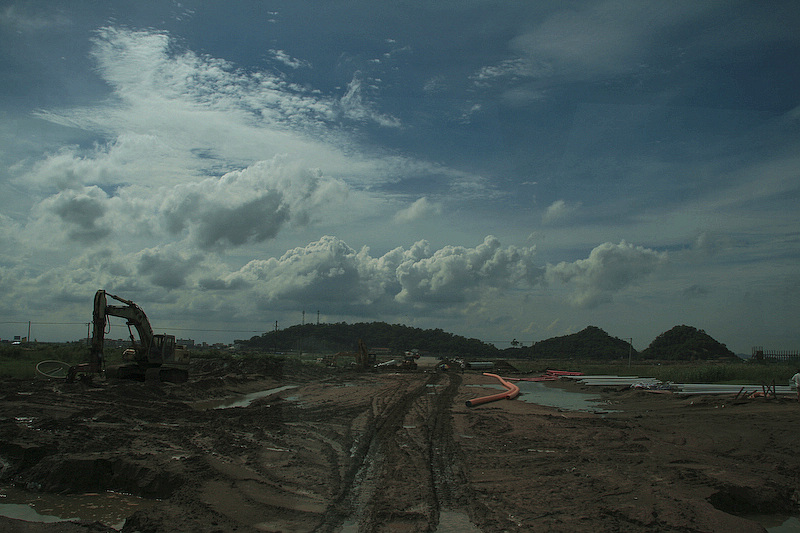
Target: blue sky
{"x":500,"y":170}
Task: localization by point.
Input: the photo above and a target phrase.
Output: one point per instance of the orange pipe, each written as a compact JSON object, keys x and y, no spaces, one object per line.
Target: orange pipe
{"x":510,"y":394}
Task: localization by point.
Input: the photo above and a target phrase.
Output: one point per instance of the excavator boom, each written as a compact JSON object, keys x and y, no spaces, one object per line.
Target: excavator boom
{"x":149,"y":352}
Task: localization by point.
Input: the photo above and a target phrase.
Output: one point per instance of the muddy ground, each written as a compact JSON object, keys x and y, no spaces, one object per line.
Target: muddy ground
{"x":349,"y":452}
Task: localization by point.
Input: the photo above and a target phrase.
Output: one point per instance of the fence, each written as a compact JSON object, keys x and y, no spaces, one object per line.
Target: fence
{"x":760,"y":354}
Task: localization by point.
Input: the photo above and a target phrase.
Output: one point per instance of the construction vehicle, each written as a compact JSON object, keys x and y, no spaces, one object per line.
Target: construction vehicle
{"x":409,"y":362}
{"x":362,"y":358}
{"x":153,"y":357}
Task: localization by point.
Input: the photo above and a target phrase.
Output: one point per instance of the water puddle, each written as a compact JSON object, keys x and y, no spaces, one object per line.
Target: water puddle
{"x":777,"y":523}
{"x":241,"y":401}
{"x":790,"y":525}
{"x":541,"y":394}
{"x":109,"y":508}
{"x":455,"y":522}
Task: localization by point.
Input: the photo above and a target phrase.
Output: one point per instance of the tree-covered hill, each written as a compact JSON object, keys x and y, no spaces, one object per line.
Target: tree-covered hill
{"x":590,"y":343}
{"x":686,"y":343}
{"x":396,"y":338}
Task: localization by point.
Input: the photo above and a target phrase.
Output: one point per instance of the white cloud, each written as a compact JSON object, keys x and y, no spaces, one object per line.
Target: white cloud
{"x":242,"y":207}
{"x":329,"y":269}
{"x":420,"y":209}
{"x":165,"y":267}
{"x":510,"y":69}
{"x":130,"y":158}
{"x":450,"y":274}
{"x":19,"y":18}
{"x":558,"y":211}
{"x":355,"y":106}
{"x":603,"y":38}
{"x":289,"y":61}
{"x":249,"y":206}
{"x":77,"y":213}
{"x":609,"y":268}
{"x":175,"y":115}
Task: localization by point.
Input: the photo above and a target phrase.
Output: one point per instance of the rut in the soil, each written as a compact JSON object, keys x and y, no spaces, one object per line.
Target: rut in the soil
{"x":405,"y":465}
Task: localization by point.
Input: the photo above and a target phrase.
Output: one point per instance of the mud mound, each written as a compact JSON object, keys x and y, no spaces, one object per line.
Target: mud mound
{"x":99,"y":473}
{"x":762,"y":499}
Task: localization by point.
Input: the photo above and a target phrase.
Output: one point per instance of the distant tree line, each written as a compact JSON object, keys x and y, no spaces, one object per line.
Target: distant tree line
{"x":343,"y":337}
{"x":592,"y":343}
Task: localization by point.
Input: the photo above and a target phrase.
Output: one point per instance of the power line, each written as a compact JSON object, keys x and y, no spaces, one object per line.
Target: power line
{"x":32,"y":323}
{"x":120,"y":325}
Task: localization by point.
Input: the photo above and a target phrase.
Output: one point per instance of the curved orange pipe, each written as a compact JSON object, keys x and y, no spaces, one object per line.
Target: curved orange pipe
{"x":510,"y":394}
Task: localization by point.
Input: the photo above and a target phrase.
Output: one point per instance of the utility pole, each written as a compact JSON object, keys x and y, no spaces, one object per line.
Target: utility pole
{"x":630,"y":350}
{"x":276,"y":337}
{"x":300,"y":348}
{"x":318,"y":317}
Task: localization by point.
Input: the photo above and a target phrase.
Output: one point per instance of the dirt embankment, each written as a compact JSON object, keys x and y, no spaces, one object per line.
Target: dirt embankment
{"x":396,"y":452}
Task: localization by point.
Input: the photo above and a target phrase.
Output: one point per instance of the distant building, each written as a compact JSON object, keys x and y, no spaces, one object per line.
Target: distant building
{"x":189,"y":343}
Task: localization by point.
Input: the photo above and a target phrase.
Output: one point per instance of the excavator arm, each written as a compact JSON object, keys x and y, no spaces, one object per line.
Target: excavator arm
{"x":135,"y":317}
{"x":154,"y":356}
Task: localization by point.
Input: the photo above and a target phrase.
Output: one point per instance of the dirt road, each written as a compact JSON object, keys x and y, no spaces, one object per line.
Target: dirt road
{"x":347,"y":452}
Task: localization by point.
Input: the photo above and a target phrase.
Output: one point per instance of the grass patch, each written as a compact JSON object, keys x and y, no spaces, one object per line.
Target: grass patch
{"x":20,"y":361}
{"x":736,"y":372}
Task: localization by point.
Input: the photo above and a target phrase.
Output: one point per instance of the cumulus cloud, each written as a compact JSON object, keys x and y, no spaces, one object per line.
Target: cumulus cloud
{"x":247,"y":206}
{"x":129,"y":158}
{"x":450,"y":273}
{"x":250,"y":205}
{"x":78,"y":212}
{"x":558,"y":211}
{"x":609,"y":269}
{"x":329,"y":269}
{"x":420,"y":209}
{"x":166,"y":268}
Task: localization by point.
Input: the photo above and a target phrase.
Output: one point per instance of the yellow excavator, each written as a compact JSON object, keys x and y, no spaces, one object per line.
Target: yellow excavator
{"x":363,"y":359}
{"x":153,"y":357}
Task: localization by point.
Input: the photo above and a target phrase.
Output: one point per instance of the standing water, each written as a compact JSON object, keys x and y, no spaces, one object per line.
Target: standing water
{"x":109,"y":508}
{"x":540,"y":394}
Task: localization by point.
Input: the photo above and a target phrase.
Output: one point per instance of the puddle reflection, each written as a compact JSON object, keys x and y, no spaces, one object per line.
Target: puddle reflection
{"x":241,"y":401}
{"x":109,"y":508}
{"x":541,"y":394}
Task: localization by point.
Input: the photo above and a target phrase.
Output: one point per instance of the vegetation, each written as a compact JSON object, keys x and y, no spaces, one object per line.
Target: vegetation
{"x":686,"y":343}
{"x":681,"y":355}
{"x":19,"y":361}
{"x":592,"y":343}
{"x":343,"y":337}
{"x":733,"y":372}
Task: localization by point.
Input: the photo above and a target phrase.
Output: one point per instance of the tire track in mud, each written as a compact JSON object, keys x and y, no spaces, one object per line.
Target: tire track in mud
{"x":404,"y":466}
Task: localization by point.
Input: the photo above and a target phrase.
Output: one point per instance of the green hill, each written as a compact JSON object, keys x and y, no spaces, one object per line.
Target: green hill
{"x":686,"y":343}
{"x":396,"y":338}
{"x":590,"y":343}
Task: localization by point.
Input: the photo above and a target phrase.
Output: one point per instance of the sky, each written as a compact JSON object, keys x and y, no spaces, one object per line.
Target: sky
{"x":502,"y":170}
